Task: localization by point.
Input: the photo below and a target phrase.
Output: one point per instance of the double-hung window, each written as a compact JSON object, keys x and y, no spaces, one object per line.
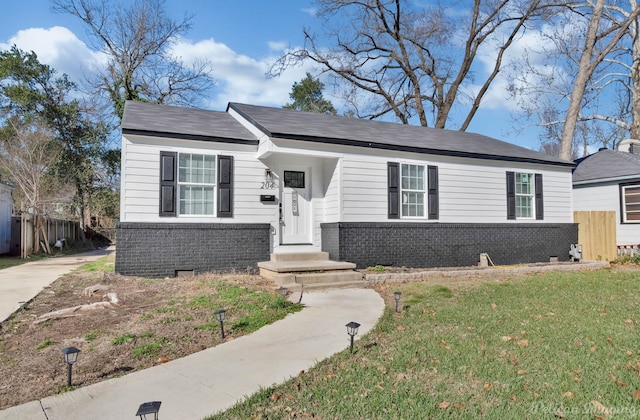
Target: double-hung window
{"x":525,"y":194}
{"x":196,"y":183}
{"x":630,"y":203}
{"x":413,"y":190}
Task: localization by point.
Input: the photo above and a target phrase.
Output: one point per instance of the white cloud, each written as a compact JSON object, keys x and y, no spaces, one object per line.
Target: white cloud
{"x":312,"y":11}
{"x":240,"y":78}
{"x":277,"y":46}
{"x":59,"y":48}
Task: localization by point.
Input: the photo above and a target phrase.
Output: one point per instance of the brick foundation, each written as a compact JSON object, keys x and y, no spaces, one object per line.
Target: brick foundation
{"x":163,"y":249}
{"x":446,"y":244}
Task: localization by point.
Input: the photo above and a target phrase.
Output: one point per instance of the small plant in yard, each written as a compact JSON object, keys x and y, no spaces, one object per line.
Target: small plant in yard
{"x":376,"y":268}
{"x":123,"y":339}
{"x":45,"y":344}
{"x":91,"y":335}
{"x":558,"y":345}
{"x":62,"y":389}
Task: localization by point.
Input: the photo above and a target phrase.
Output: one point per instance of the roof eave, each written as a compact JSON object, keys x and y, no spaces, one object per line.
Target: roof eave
{"x":425,"y":150}
{"x":183,"y":136}
{"x":605,"y":180}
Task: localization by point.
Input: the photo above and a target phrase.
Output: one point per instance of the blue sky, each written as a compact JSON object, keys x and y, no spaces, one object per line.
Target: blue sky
{"x":239,"y":37}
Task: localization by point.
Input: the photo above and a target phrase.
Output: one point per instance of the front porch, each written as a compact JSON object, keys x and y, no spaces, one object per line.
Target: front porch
{"x":310,"y":271}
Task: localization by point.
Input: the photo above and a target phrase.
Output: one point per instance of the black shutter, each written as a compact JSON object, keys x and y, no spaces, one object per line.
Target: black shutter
{"x":393,"y":185}
{"x":168,"y":183}
{"x":432,"y":192}
{"x":539,"y":198}
{"x":225,"y":186}
{"x":511,"y":195}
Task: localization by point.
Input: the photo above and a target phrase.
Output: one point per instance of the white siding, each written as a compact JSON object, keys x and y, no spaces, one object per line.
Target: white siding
{"x":606,"y":197}
{"x":140,"y":181}
{"x":470,"y":190}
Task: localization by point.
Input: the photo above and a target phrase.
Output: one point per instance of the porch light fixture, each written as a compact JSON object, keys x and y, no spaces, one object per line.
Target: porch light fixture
{"x":220,"y":317}
{"x":70,"y":357}
{"x":396,"y":296}
{"x":151,"y":407}
{"x":352,"y":330}
{"x":283,"y":291}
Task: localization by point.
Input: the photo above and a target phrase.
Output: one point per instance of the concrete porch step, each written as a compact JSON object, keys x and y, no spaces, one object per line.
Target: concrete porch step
{"x":294,"y":289}
{"x":300,"y":256}
{"x":305,"y":266}
{"x":311,"y":270}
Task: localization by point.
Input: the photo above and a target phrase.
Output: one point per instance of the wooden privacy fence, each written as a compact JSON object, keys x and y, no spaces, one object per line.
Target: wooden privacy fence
{"x":597,"y":234}
{"x":24,"y":236}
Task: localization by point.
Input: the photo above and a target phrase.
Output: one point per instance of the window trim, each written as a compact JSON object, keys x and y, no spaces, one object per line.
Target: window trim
{"x":424,"y":191}
{"x":531,"y":196}
{"x":538,"y":196}
{"x":181,"y":184}
{"x":623,"y":211}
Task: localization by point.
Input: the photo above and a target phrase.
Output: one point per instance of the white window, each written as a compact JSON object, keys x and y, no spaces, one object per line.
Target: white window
{"x":196,"y":182}
{"x":631,"y":203}
{"x":525,"y":195}
{"x":413,"y":190}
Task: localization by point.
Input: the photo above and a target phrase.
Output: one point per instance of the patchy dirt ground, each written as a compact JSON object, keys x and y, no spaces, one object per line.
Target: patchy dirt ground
{"x":154,"y":321}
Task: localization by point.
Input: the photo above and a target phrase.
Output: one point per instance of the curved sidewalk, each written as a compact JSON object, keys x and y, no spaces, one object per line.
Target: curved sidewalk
{"x":213,"y":380}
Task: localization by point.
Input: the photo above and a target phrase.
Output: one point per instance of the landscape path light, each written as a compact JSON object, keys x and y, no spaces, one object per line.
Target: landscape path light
{"x":151,"y":407}
{"x":283,"y":291}
{"x":220,"y":317}
{"x":70,"y":357}
{"x":396,"y":296}
{"x":352,"y":330}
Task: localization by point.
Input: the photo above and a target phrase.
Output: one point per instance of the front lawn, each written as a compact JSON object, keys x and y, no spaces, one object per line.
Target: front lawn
{"x":558,"y":345}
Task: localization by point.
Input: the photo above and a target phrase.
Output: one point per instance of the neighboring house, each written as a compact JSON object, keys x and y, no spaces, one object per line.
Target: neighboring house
{"x":609,"y":180}
{"x":209,"y":191}
{"x":6,"y":206}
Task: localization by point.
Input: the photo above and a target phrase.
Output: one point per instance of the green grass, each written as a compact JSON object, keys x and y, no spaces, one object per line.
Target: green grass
{"x":548,"y":346}
{"x":46,"y":343}
{"x":6,"y":261}
{"x":123,"y":339}
{"x":258,"y":308}
{"x":91,"y":335}
{"x":104,"y":264}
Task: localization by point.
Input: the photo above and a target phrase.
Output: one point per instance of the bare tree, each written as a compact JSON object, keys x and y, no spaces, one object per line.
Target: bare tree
{"x":137,"y":41}
{"x":416,"y":64}
{"x":27,"y":154}
{"x":587,"y":78}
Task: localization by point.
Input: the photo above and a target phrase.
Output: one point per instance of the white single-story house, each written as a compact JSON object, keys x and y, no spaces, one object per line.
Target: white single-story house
{"x":609,"y":180}
{"x":213,"y":191}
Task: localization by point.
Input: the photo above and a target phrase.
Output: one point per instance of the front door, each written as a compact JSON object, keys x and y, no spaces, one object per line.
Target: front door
{"x":295,"y":201}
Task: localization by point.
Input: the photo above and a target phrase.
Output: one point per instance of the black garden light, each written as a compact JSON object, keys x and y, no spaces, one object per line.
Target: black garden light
{"x":70,"y":357}
{"x":396,"y":296}
{"x":352,"y":330}
{"x":220,"y":317}
{"x":283,"y":291}
{"x":151,"y":407}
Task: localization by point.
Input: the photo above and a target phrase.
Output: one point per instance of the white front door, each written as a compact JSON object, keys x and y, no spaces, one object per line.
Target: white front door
{"x":295,"y":201}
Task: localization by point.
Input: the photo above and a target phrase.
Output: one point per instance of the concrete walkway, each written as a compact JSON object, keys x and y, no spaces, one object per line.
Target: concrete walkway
{"x":21,"y":283}
{"x":215,"y":379}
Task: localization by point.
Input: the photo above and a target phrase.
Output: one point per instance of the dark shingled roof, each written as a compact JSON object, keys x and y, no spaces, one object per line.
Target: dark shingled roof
{"x":606,"y":164}
{"x":332,"y":129}
{"x":186,"y":123}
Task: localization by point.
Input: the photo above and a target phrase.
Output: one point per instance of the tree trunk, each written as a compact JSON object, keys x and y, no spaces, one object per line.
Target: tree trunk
{"x":585,"y":70}
{"x":635,"y":80}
